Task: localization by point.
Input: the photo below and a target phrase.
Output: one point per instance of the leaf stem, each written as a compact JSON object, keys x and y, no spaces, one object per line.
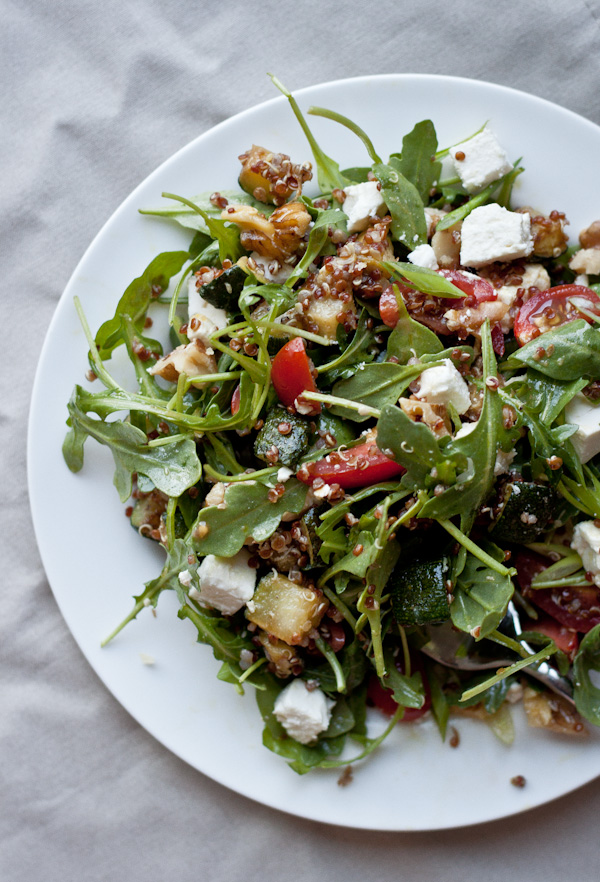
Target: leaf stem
{"x":327,"y":651}
{"x":475,"y":550}
{"x":362,"y":409}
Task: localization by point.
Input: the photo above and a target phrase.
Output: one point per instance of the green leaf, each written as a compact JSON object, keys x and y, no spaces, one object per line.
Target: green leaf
{"x":344,"y":121}
{"x":404,"y":204}
{"x":417,"y":161}
{"x":328,"y":171}
{"x":481,"y":597}
{"x":318,"y":238}
{"x":189,"y":218}
{"x":410,"y":339}
{"x":225,"y":233}
{"x":407,"y":691}
{"x":172,"y":468}
{"x":425,"y":280}
{"x":567,"y":353}
{"x":137,"y":297}
{"x":374,"y":385}
{"x":546,"y":396}
{"x":586,"y":692}
{"x":413,"y":445}
{"x":218,"y":633}
{"x":246,"y":512}
{"x":479,"y":448}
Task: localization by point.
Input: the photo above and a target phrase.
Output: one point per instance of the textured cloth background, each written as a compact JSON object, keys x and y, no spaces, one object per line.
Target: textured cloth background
{"x":94,"y":97}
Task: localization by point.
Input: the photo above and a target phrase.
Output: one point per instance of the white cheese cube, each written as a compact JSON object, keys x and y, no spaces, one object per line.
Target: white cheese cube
{"x":491,"y":233}
{"x":226,"y":583}
{"x":303,"y":713}
{"x":586,"y":416}
{"x":204,"y":318}
{"x":362,"y":204}
{"x":586,"y":542}
{"x":482,"y":160}
{"x":443,"y":384}
{"x":424,"y":255}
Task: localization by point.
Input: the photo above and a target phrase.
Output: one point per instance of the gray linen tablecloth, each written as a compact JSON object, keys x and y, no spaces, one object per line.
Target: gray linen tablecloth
{"x":94,"y":97}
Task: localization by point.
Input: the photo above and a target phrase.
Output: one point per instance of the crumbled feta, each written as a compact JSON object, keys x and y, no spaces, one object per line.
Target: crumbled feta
{"x":226,"y":583}
{"x":362,"y":204}
{"x":503,"y":462}
{"x":424,"y":255}
{"x":432,"y":218}
{"x":586,"y":261}
{"x":484,"y":161}
{"x":203,"y":318}
{"x":185,"y":578}
{"x":586,"y":440}
{"x":284,"y":474}
{"x":246,"y":659}
{"x":303,"y":713}
{"x":534,"y":276}
{"x":271,"y":270}
{"x":491,"y":233}
{"x":586,"y":542}
{"x":581,"y":279}
{"x":443,"y":384}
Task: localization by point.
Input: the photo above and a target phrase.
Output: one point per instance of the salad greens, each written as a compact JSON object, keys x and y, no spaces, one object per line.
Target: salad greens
{"x":424,"y":408}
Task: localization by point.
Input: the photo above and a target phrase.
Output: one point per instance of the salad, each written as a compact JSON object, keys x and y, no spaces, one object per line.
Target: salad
{"x":373,"y":430}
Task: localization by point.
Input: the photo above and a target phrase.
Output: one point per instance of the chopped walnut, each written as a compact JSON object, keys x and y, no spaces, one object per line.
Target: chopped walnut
{"x":446,"y":245}
{"x":433,"y":415}
{"x":275,"y":238}
{"x":272,"y":177}
{"x":549,"y":239}
{"x":546,"y":710}
{"x":590,"y":237}
{"x":586,"y":261}
{"x":192,"y":359}
{"x":469,"y":319}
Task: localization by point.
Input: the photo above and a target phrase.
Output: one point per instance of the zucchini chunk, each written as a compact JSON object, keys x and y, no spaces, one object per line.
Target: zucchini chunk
{"x":419,"y":594}
{"x":282,"y":432}
{"x":286,"y":610}
{"x":526,"y":510}
{"x":224,"y":291}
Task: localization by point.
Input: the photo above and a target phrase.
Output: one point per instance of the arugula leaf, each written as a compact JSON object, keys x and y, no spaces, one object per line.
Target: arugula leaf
{"x":410,"y":339}
{"x":246,"y":512}
{"x":374,"y":385}
{"x":349,"y":124}
{"x":417,"y":162}
{"x":481,"y":596}
{"x":217,"y":632}
{"x":225,"y":233}
{"x":191,"y":219}
{"x":413,"y":445}
{"x":425,"y":280}
{"x":328,"y":171}
{"x":407,"y":691}
{"x":546,"y":396}
{"x":404,"y":204}
{"x":586,"y":691}
{"x":567,"y":353}
{"x":137,"y":297}
{"x":479,"y":448}
{"x":172,"y":468}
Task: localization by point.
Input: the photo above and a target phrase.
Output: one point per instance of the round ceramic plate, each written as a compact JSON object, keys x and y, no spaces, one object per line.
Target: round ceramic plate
{"x":95,"y":562}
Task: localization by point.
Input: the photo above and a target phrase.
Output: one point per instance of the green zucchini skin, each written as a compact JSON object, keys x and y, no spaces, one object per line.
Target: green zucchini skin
{"x":526,"y":510}
{"x":224,"y":291}
{"x":290,"y":445}
{"x":419,"y":594}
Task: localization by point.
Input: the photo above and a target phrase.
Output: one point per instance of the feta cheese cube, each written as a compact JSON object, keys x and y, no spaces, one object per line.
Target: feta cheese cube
{"x":492,"y":233}
{"x":203,"y":318}
{"x":480,"y":161}
{"x":226,"y":583}
{"x":443,"y":384}
{"x":424,"y":255}
{"x":303,"y":713}
{"x":362,"y":204}
{"x":586,"y":542}
{"x":586,"y":416}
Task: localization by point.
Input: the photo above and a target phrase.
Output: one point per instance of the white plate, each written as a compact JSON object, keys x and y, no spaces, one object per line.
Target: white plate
{"x":95,"y":562}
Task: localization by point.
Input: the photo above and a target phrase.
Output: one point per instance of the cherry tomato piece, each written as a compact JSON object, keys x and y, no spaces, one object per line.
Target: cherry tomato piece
{"x":358,"y":467}
{"x":291,"y":374}
{"x":383,"y":699}
{"x":574,"y":607}
{"x":477,"y":290}
{"x":565,"y":638}
{"x":388,"y":305}
{"x":549,"y":309}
